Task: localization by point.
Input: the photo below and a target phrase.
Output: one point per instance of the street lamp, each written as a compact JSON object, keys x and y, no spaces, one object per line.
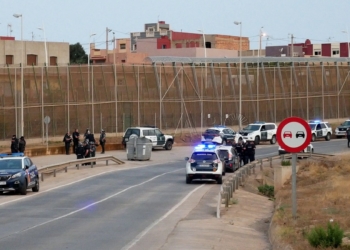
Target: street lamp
{"x":346,"y":31}
{"x":46,"y":59}
{"x":205,"y":70}
{"x":92,"y":88}
{"x":22,"y":85}
{"x":261,"y":34}
{"x":240,"y":74}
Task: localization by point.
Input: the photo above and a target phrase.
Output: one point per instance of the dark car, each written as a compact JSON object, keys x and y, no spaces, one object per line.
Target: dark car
{"x":18,"y":173}
{"x":300,"y":134}
{"x":229,"y":159}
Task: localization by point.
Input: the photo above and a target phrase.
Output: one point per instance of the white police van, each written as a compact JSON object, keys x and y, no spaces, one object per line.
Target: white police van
{"x":204,"y":163}
{"x":260,"y":131}
{"x":320,"y":129}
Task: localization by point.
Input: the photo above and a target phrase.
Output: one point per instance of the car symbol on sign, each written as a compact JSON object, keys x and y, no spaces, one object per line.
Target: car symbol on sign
{"x":287,"y":134}
{"x":300,"y":134}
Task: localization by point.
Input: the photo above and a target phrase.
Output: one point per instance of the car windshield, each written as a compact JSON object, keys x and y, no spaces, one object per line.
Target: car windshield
{"x":346,"y":123}
{"x":10,"y":164}
{"x":312,"y":126}
{"x":252,"y":127}
{"x":204,"y":156}
{"x":223,"y":154}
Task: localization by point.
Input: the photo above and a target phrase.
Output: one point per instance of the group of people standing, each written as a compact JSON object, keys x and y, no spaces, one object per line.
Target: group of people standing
{"x":244,"y":151}
{"x":18,"y":145}
{"x":87,"y":147}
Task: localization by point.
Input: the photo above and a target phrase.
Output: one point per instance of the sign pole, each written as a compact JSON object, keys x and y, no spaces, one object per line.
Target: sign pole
{"x":294,"y":185}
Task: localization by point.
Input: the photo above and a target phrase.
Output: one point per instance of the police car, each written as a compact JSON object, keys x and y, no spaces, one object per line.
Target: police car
{"x":320,"y":129}
{"x":159,"y":140}
{"x":18,"y":173}
{"x":204,"y":163}
{"x":260,"y":131}
{"x":221,"y":134}
{"x":308,"y":149}
{"x":341,"y":130}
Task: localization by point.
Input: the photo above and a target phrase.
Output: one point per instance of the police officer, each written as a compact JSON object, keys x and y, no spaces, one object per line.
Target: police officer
{"x":87,"y":153}
{"x":103,"y":140}
{"x":67,"y":139}
{"x":239,"y":149}
{"x":250,"y":150}
{"x":244,"y":153}
{"x":75,"y":139}
{"x":348,"y":136}
{"x":14,"y":144}
{"x":22,"y":144}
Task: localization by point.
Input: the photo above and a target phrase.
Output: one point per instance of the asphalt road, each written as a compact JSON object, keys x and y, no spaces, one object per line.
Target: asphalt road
{"x":111,"y":211}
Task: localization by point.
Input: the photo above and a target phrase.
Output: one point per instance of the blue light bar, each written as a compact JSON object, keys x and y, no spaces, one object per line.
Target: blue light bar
{"x":205,"y":146}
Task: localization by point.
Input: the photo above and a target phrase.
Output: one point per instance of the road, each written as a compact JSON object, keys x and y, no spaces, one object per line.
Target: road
{"x":132,"y":208}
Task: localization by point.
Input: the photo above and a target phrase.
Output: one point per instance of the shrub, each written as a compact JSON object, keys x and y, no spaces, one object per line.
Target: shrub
{"x":285,"y":163}
{"x":332,"y":237}
{"x":267,"y":190}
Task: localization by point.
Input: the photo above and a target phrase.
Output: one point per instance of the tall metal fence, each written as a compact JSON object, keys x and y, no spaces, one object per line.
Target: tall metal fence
{"x":173,"y":95}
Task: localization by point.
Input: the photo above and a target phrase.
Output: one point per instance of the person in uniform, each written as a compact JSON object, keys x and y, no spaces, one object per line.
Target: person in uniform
{"x":67,"y":139}
{"x":14,"y":144}
{"x":75,"y":140}
{"x":22,"y":144}
{"x":239,"y":148}
{"x":244,"y":153}
{"x":87,"y":153}
{"x":103,"y":140}
{"x":250,"y":150}
{"x":348,"y":136}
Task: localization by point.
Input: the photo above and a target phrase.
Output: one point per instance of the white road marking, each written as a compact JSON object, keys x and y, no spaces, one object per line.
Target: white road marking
{"x":144,"y":232}
{"x":90,"y":205}
{"x":74,"y":182}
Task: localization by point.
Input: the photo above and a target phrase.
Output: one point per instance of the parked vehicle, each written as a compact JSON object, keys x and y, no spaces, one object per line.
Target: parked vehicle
{"x":260,"y":131}
{"x":221,"y":135}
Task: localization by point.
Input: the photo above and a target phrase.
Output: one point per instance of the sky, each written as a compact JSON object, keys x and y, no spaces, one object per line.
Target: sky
{"x":73,"y":21}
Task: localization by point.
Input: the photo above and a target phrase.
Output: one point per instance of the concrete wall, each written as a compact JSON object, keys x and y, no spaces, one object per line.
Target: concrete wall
{"x":281,"y":175}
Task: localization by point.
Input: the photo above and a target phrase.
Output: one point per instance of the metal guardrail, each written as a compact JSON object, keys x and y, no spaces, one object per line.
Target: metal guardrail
{"x":232,"y":183}
{"x":54,"y":168}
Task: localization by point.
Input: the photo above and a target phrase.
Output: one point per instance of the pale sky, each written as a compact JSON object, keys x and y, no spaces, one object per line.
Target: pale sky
{"x":73,"y":21}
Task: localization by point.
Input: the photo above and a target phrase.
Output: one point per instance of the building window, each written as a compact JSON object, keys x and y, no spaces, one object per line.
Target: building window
{"x":164,"y":46}
{"x":317,"y":52}
{"x":9,"y":59}
{"x":122,"y":46}
{"x":123,"y":61}
{"x":53,"y":60}
{"x":32,"y":59}
{"x":335,"y":52}
{"x":134,"y":47}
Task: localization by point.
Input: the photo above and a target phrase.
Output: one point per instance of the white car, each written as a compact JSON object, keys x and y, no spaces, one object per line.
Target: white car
{"x":260,"y":131}
{"x":221,"y":135}
{"x":308,"y":149}
{"x":204,"y":163}
{"x":320,"y":129}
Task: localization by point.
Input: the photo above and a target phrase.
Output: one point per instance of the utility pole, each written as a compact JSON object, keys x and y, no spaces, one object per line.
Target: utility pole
{"x":107,"y":31}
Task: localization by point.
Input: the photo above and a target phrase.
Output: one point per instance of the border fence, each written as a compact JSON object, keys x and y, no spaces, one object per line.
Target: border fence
{"x":173,"y":94}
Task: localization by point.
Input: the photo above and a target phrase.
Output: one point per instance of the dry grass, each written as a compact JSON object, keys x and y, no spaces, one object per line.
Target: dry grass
{"x":322,"y":194}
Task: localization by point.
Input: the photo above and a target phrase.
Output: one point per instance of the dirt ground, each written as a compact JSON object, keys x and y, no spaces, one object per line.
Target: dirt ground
{"x":322,"y":195}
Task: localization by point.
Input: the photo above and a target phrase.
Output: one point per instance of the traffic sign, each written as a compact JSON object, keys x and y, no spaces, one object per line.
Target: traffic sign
{"x":293,"y":134}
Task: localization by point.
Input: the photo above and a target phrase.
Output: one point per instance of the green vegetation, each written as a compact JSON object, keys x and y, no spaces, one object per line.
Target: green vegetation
{"x":285,"y":163}
{"x":267,"y":190}
{"x":330,"y":237}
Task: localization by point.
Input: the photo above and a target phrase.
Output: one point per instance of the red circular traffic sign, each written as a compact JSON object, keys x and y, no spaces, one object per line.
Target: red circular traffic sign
{"x":293,"y":134}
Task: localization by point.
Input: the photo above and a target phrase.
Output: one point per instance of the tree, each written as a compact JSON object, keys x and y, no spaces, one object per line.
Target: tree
{"x":77,"y":54}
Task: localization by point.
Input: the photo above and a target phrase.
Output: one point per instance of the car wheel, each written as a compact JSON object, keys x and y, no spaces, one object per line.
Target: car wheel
{"x":219,"y":180}
{"x":188,"y":180}
{"x":23,"y":188}
{"x":168,"y":145}
{"x":257,"y":140}
{"x":313,"y":138}
{"x":312,"y":151}
{"x":36,"y":187}
{"x":328,"y":137}
{"x":273,"y":140}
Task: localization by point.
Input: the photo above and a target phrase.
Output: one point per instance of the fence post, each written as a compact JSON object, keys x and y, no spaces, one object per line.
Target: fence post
{"x":42,"y":176}
{"x":106,"y":162}
{"x":270,"y":159}
{"x":54,"y":173}
{"x":233,"y":185}
{"x":254,"y":165}
{"x":261,"y":164}
{"x":66,"y":169}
